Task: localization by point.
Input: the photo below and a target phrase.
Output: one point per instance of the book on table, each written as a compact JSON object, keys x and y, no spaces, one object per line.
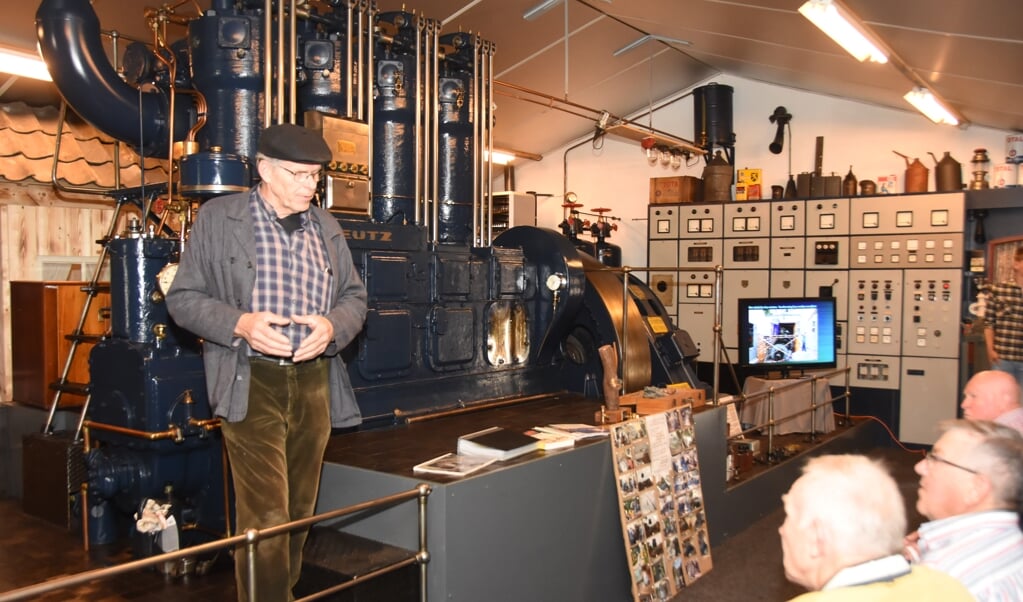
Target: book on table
{"x":496,"y":442}
{"x":453,"y":465}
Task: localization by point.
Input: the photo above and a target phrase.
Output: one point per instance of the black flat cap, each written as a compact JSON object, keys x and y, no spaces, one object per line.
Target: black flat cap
{"x":290,"y":142}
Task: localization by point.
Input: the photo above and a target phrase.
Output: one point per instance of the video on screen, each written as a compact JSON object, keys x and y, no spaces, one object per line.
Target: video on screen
{"x":788,"y":333}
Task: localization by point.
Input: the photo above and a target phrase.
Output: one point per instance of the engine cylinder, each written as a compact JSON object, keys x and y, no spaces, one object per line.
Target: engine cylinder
{"x":394,"y":122}
{"x":225,"y":51}
{"x":136,"y":307}
{"x":323,"y":60}
{"x":456,"y":147}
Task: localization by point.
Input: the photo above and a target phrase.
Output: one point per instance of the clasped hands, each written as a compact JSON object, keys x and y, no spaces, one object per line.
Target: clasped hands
{"x":258,"y":330}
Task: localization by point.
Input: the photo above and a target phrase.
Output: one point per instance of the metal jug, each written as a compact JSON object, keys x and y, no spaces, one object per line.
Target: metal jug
{"x":849,"y":183}
{"x":717,"y":179}
{"x":916,"y":174}
{"x":948,"y":173}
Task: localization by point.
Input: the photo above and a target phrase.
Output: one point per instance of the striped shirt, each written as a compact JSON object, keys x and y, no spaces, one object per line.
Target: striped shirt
{"x":293,"y":275}
{"x":1004,"y":314}
{"x":1012,"y":418}
{"x":982,"y":550}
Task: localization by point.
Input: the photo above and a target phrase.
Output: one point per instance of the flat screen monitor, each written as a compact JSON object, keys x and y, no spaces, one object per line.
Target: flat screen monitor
{"x":787,"y":334}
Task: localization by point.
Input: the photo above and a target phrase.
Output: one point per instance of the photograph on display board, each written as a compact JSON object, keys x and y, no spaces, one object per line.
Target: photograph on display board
{"x":663,"y":520}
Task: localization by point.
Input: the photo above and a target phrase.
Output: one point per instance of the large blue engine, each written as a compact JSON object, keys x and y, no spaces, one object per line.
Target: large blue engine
{"x":457,"y":316}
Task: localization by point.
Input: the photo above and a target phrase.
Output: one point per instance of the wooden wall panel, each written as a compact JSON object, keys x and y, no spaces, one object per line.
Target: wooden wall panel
{"x":34,"y":224}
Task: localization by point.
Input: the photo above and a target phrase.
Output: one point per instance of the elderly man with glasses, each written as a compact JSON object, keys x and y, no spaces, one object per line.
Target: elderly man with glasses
{"x":267,"y":280}
{"x":970,"y":485}
{"x":844,"y":521}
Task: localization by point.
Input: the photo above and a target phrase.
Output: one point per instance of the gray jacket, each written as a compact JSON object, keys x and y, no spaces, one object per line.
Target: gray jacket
{"x":213,"y":288}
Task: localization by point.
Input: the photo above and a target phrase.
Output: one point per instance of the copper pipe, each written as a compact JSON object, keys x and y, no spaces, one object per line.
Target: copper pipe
{"x":201,"y":108}
{"x":485,"y":405}
{"x":209,"y":424}
{"x":268,"y":63}
{"x":171,"y":433}
{"x":565,"y":105}
{"x":85,"y":515}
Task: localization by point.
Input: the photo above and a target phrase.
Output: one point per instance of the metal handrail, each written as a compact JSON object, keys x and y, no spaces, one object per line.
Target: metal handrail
{"x":812,"y":407}
{"x":250,"y":538}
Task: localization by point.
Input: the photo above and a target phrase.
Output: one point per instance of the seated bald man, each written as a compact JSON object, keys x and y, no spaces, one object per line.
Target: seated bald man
{"x":993,"y":395}
{"x":842,"y":537}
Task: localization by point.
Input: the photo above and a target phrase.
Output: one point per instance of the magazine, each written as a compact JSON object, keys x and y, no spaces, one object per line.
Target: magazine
{"x":454,"y":465}
{"x":576,"y":431}
{"x":549,"y":441}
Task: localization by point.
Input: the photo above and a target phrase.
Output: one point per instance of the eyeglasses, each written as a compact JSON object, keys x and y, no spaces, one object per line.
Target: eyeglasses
{"x":302,"y":177}
{"x":933,"y":457}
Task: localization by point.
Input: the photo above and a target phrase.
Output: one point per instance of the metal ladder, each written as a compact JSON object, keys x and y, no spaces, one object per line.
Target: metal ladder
{"x":78,"y":336}
{"x":93,"y":288}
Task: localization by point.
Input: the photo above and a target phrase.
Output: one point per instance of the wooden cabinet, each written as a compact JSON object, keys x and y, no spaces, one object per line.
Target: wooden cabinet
{"x":42,"y":315}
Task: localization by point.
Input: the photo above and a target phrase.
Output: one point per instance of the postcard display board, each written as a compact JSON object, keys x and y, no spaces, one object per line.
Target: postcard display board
{"x":661,"y":502}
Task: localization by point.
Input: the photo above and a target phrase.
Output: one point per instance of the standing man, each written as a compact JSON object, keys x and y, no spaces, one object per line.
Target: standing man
{"x":842,"y":537}
{"x":993,"y":395}
{"x":267,"y":280}
{"x":970,"y":485}
{"x":1003,"y":322}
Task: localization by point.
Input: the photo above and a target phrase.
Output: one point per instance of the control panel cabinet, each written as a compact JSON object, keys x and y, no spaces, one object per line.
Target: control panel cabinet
{"x":930,"y":312}
{"x":893,"y":263}
{"x":875,"y":312}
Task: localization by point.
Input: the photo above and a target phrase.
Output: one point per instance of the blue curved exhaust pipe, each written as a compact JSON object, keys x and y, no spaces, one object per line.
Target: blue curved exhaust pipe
{"x":69,"y":41}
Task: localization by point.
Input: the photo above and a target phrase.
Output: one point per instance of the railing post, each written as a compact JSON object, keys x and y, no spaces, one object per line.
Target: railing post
{"x":848,"y":394}
{"x":813,"y":408}
{"x":770,"y":424}
{"x":424,"y":554}
{"x":251,"y":539}
{"x":718,"y":307}
{"x":623,"y":362}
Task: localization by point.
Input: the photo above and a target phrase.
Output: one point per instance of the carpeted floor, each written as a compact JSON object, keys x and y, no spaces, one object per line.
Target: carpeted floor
{"x":748,"y":567}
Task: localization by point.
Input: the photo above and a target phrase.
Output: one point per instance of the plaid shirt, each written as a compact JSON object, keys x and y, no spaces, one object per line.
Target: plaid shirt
{"x":1004,"y":315}
{"x":293,"y":275}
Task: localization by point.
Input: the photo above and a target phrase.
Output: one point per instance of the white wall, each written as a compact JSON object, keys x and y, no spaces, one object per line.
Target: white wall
{"x":856,"y":134}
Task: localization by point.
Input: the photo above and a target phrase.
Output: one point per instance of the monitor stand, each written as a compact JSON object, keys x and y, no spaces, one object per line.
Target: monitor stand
{"x":783,"y":374}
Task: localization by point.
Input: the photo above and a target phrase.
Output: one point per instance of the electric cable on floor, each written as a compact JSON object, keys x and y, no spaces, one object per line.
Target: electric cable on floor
{"x":920,"y":452}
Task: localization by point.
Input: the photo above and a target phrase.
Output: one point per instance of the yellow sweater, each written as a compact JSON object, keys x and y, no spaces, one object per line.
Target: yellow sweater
{"x":922,"y":583}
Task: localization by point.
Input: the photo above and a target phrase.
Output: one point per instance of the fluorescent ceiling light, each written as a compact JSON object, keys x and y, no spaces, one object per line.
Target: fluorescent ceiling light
{"x":543,"y":7}
{"x":639,"y":42}
{"x":504,"y":156}
{"x":23,"y":64}
{"x":499,"y":158}
{"x":844,"y":28}
{"x":926,"y":103}
{"x":539,"y":9}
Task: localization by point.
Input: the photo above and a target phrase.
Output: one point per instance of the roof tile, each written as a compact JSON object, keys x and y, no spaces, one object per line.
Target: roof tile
{"x":28,"y":142}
